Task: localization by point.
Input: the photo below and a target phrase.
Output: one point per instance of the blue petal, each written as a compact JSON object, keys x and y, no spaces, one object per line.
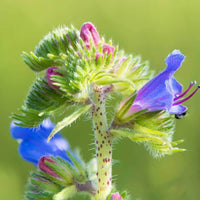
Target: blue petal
{"x":33,"y":150}
{"x":18,"y":132}
{"x":47,"y":124}
{"x":176,"y":87}
{"x":158,"y":93}
{"x":155,"y":95}
{"x":179,"y":109}
{"x":34,"y":143}
{"x":174,"y":60}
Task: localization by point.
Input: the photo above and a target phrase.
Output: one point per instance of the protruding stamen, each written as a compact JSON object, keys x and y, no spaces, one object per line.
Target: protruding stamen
{"x":179,"y":102}
{"x":184,"y":93}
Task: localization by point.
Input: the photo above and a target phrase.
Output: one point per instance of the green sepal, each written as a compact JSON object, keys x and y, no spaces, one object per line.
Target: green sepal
{"x":125,"y":107}
{"x":132,"y":116}
{"x":68,"y":120}
{"x":79,"y":166}
{"x":155,"y":130}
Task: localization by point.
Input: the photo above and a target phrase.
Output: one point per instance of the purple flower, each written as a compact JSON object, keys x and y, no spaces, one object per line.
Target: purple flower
{"x":164,"y":92}
{"x":33,"y":142}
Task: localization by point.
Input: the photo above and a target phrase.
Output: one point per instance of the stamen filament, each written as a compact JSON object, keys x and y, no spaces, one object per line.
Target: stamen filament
{"x":183,"y":100}
{"x":184,"y":93}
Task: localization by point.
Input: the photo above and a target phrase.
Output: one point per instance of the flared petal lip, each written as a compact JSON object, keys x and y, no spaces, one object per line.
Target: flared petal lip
{"x":159,"y":93}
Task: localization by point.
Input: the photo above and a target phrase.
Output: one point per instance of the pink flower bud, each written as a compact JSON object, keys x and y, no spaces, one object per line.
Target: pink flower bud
{"x":49,"y":73}
{"x":88,"y":31}
{"x":116,"y":196}
{"x":99,"y":55}
{"x":45,"y":168}
{"x":108,"y":49}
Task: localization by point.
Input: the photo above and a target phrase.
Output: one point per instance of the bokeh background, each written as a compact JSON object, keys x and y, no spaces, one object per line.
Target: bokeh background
{"x":150,"y":28}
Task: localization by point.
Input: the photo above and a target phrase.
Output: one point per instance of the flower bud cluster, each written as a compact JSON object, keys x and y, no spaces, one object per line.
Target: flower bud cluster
{"x":72,"y":62}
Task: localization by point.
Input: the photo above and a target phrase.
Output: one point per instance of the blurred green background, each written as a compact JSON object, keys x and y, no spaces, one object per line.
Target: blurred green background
{"x":151,"y":28}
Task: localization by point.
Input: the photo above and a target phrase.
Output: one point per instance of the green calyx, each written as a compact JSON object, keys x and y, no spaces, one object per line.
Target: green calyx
{"x":71,"y":179}
{"x":154,"y":129}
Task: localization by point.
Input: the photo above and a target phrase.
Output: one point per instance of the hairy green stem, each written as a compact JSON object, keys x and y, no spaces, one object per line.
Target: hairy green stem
{"x":103,"y":142}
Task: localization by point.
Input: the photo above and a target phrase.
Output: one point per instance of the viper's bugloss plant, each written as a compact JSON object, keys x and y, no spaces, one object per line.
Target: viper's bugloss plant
{"x":77,"y":73}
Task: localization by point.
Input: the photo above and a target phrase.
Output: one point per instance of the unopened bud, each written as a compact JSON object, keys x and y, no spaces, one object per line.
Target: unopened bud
{"x":88,"y":31}
{"x":45,"y":168}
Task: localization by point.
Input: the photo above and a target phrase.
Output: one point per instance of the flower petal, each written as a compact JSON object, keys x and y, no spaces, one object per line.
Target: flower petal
{"x":18,"y":132}
{"x":155,"y":95}
{"x":174,"y":60}
{"x":176,"y":87}
{"x":179,"y":109}
{"x":34,"y":143}
{"x":33,"y":149}
{"x":158,"y":93}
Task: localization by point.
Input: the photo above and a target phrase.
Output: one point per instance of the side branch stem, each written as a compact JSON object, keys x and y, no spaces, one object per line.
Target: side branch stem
{"x":103,"y":142}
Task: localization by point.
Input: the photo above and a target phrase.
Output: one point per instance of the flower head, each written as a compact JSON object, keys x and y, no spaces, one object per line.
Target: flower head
{"x":164,"y":92}
{"x":33,"y":142}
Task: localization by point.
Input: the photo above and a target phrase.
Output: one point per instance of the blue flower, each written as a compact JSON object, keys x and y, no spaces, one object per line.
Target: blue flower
{"x":33,"y":142}
{"x":164,"y":92}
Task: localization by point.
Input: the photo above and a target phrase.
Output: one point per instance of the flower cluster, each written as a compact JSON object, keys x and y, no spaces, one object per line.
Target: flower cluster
{"x":77,"y":72}
{"x":73,"y":61}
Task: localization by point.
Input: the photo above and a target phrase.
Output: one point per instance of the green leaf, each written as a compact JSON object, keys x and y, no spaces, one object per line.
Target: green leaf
{"x":50,"y":49}
{"x":68,"y":120}
{"x":29,"y":117}
{"x":41,"y":97}
{"x":38,"y":64}
{"x":41,"y":102}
